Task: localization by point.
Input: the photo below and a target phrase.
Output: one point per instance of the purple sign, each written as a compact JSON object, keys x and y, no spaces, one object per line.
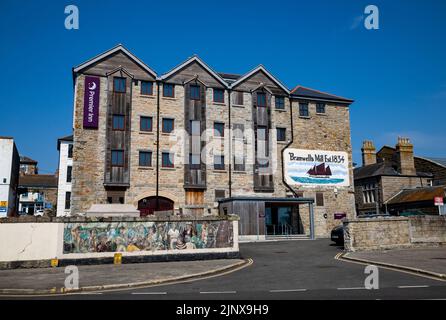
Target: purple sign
{"x":339,"y":216}
{"x":91,"y":102}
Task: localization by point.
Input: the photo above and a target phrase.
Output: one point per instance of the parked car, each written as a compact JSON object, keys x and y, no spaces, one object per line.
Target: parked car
{"x":337,"y":234}
{"x":39,"y":213}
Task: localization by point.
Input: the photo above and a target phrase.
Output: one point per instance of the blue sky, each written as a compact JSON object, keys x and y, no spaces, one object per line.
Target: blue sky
{"x":396,"y":75}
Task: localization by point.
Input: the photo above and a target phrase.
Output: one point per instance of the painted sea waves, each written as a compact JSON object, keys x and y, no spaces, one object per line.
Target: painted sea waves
{"x":301,"y":174}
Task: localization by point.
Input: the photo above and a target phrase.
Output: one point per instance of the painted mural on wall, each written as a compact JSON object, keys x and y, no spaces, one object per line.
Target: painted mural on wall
{"x":316,"y":167}
{"x":146,"y":236}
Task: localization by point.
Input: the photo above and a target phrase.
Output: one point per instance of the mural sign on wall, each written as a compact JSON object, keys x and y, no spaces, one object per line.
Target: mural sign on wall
{"x":316,"y":167}
{"x":91,"y":102}
{"x":146,"y":236}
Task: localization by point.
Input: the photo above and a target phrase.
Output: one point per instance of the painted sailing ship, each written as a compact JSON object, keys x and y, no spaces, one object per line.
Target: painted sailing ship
{"x":320,"y":171}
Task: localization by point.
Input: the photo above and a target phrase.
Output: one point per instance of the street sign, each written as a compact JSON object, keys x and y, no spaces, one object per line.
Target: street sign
{"x":438,"y":201}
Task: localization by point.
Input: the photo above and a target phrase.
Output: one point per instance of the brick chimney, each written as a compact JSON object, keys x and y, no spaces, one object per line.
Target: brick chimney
{"x":368,"y":153}
{"x":404,"y":154}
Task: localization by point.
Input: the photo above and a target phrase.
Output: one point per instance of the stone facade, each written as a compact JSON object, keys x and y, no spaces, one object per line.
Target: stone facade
{"x":396,"y":232}
{"x":328,"y":131}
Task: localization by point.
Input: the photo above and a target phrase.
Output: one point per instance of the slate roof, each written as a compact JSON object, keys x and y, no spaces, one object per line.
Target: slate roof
{"x":417,"y":194}
{"x":440,"y":161}
{"x":380,"y":169}
{"x":38,"y":181}
{"x":303,"y":92}
{"x":66,"y":138}
{"x":27,"y":160}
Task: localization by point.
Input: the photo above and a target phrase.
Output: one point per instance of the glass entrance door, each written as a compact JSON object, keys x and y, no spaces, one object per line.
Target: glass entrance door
{"x":278,"y":220}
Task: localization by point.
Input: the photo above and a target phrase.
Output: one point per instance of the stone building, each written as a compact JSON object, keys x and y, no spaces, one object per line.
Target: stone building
{"x":183,"y":141}
{"x":384,"y":174}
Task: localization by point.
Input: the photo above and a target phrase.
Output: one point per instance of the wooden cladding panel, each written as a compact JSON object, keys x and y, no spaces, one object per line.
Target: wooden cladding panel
{"x":118,"y":104}
{"x":193,"y":70}
{"x":194,"y":197}
{"x":101,"y":68}
{"x":256,"y":79}
{"x":195,"y":110}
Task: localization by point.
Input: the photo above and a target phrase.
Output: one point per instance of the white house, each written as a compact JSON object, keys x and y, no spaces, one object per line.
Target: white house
{"x":9,"y":176}
{"x":65,"y":147}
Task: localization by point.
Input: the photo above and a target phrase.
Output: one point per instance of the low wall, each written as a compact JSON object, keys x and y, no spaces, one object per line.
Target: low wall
{"x":31,"y":242}
{"x":394,"y":232}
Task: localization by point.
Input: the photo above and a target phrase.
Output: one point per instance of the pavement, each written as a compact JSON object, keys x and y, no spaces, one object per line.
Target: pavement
{"x":428,"y":261}
{"x":281,"y":270}
{"x":109,"y":276}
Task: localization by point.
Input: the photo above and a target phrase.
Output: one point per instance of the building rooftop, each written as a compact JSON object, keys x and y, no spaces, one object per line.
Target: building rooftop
{"x":38,"y":181}
{"x":304,"y":92}
{"x":381,"y":169}
{"x":66,"y":138}
{"x":417,"y":194}
{"x":27,"y":160}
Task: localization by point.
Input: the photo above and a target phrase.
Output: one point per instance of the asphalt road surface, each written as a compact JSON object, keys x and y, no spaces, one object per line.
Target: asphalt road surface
{"x":288,"y":270}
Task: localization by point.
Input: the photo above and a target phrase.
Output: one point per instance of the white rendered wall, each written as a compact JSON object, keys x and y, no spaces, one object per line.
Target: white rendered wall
{"x":6,"y":193}
{"x":63,"y":186}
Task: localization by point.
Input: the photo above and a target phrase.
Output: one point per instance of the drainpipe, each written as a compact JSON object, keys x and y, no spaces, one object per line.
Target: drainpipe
{"x":157,"y":140}
{"x":283,"y":150}
{"x":230,"y":144}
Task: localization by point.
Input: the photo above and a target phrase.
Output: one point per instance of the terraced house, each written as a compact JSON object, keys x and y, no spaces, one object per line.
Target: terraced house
{"x":193,"y":141}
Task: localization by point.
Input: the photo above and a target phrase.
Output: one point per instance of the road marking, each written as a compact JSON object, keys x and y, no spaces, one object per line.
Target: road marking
{"x":411,"y":287}
{"x":93,"y":293}
{"x":288,"y":290}
{"x":354,"y":288}
{"x":217,"y":292}
{"x":149,"y":292}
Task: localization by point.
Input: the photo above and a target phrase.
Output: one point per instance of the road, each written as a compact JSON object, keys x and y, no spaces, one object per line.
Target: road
{"x":289,"y":270}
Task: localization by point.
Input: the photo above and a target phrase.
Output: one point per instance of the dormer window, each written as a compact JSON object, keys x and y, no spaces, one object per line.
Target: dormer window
{"x":261,"y":99}
{"x":195,"y":92}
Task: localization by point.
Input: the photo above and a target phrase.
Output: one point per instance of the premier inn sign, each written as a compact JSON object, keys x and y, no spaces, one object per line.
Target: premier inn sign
{"x":91,"y":102}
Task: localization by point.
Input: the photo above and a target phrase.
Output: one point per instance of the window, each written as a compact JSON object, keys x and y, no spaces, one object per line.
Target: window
{"x":168,"y":125}
{"x":237,"y":98}
{"x":145,"y":158}
{"x":319,"y":199}
{"x":67,"y":200}
{"x":194,"y":161}
{"x":262,"y":152}
{"x":219,"y":95}
{"x":147,"y":87}
{"x":320,"y":107}
{"x":69,"y":173}
{"x":145,"y":123}
{"x":261,"y":99}
{"x":70,"y":151}
{"x":167,"y":160}
{"x":239,"y":162}
{"x":219,"y":129}
{"x":119,"y":84}
{"x":168,"y":90}
{"x":281,"y":134}
{"x":219,"y":162}
{"x":117,"y":158}
{"x":369,"y":192}
{"x":118,"y":122}
{"x":195,"y":92}
{"x":280,"y":103}
{"x":303,"y":110}
{"x":220,"y":194}
{"x":238,"y":131}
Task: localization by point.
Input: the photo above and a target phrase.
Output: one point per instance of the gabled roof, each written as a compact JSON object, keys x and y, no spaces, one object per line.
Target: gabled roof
{"x":304,"y":92}
{"x":254,"y":71}
{"x":437,"y":161}
{"x":27,"y":160}
{"x":417,"y":194}
{"x":190,"y":60}
{"x":111,"y":51}
{"x":381,"y":169}
{"x":38,"y":181}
